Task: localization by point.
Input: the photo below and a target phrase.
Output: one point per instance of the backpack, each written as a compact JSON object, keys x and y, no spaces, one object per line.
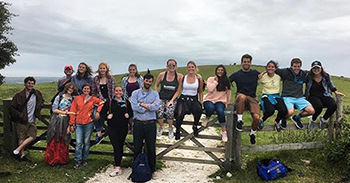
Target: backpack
{"x":269,"y":169}
{"x":141,"y":171}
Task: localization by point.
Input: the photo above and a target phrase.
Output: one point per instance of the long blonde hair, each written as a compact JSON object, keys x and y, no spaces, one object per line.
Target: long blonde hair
{"x":108,"y":75}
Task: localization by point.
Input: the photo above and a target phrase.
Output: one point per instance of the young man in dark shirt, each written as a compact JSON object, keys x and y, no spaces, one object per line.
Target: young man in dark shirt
{"x":246,"y":81}
{"x":293,"y":79}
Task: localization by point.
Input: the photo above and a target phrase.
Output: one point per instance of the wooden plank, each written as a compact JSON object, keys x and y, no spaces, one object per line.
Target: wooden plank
{"x":191,"y":160}
{"x":287,"y":146}
{"x":229,"y":144}
{"x":221,"y":150}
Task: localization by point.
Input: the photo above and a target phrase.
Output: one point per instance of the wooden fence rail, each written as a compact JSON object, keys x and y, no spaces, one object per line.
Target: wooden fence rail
{"x":232,"y":149}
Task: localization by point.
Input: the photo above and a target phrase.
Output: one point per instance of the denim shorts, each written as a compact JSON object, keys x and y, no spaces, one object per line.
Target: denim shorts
{"x":300,"y":103}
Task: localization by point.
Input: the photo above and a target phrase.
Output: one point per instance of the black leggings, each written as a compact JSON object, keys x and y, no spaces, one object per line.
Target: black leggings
{"x":280,"y":106}
{"x":188,"y":105}
{"x":319,"y":102}
{"x":117,"y":137}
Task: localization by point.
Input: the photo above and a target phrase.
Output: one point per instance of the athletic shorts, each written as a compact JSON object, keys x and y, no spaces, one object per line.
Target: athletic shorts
{"x":300,"y":103}
{"x":169,"y":111}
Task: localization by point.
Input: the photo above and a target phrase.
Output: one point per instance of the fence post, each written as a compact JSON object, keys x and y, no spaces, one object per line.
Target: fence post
{"x":229,"y":143}
{"x":338,"y":114}
{"x":236,"y":148}
{"x":10,"y":134}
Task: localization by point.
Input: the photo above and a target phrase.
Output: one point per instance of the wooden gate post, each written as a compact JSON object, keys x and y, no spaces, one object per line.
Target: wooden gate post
{"x":10,"y":134}
{"x":338,"y":115}
{"x":236,"y":147}
{"x":229,"y":144}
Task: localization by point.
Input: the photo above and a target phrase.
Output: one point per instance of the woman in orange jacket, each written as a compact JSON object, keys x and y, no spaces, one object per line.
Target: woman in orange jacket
{"x":82,"y":122}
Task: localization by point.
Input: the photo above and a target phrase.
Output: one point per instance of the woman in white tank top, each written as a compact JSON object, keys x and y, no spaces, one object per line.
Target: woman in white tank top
{"x":190,"y":101}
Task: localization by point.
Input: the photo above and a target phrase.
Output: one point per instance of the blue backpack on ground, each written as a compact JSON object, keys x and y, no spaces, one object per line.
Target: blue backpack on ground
{"x":269,"y":169}
{"x":141,"y":171}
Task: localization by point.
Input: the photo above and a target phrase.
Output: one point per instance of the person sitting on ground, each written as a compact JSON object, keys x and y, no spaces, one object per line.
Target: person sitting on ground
{"x":271,"y":99}
{"x":246,"y":80}
{"x":168,"y":93}
{"x":191,"y":98}
{"x":292,"y":92}
{"x":318,"y":92}
{"x":218,"y":96}
{"x":25,"y":107}
{"x":117,"y":111}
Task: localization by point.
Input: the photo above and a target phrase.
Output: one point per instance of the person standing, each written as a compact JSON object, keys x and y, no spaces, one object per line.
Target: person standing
{"x":292,"y":92}
{"x":246,"y":80}
{"x":68,"y":71}
{"x":217,"y":98}
{"x":102,"y":87}
{"x":81,"y":121}
{"x":271,"y":99}
{"x":82,"y":76}
{"x":145,"y":104}
{"x":131,"y":82}
{"x":168,"y":93}
{"x":25,"y":107}
{"x":117,"y":111}
{"x":318,"y":92}
{"x":58,"y":132}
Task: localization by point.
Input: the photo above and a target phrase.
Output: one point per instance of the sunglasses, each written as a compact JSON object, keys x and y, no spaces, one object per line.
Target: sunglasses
{"x":171,"y":65}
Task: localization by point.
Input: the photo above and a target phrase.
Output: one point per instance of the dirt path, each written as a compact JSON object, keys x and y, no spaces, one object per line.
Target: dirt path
{"x":174,"y":171}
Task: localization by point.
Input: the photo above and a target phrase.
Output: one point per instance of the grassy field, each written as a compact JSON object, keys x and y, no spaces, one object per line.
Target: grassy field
{"x":309,"y":163}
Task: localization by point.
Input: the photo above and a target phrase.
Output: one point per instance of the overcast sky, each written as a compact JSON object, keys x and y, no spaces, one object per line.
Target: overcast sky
{"x":53,"y":33}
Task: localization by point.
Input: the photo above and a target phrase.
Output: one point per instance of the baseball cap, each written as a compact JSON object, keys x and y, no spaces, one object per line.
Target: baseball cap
{"x":316,"y":64}
{"x":68,"y":67}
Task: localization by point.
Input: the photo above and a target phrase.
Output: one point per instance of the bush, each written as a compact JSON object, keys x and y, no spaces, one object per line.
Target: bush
{"x":338,"y":151}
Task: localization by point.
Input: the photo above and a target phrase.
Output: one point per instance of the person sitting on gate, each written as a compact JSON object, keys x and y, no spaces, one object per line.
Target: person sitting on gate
{"x":25,"y":107}
{"x":168,"y":93}
{"x":82,"y":76}
{"x":81,"y":121}
{"x":58,"y":132}
{"x":292,"y":92}
{"x":271,"y":99}
{"x":117,"y":111}
{"x":246,"y":80}
{"x":219,"y":95}
{"x":318,"y":92}
{"x":102,"y":87}
{"x":191,"y":98}
{"x":145,"y":103}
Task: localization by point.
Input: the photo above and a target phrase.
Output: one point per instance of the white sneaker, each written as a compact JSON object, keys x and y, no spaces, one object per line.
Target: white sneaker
{"x":116,"y":172}
{"x":160,"y":131}
{"x":224,"y":136}
{"x":205,"y":122}
{"x":171,"y":133}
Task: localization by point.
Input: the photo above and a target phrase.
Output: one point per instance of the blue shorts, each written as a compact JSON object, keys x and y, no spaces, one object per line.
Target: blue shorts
{"x":300,"y":103}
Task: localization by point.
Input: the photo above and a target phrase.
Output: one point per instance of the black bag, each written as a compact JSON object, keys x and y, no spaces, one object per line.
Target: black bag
{"x":141,"y":171}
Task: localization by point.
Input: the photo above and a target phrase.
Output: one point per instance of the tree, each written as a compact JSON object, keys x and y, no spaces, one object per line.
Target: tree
{"x":8,"y":48}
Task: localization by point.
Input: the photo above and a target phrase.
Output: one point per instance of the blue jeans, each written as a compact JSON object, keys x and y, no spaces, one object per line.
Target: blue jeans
{"x":83,"y":136}
{"x":219,"y":107}
{"x":147,"y":132}
{"x":98,"y":123}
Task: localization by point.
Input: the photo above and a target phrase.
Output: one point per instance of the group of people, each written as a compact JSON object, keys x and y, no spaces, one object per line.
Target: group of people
{"x":83,"y":101}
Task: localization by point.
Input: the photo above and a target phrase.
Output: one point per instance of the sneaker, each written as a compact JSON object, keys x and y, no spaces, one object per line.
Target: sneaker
{"x":195,"y":131}
{"x":224,"y":136}
{"x":16,"y":156}
{"x":261,"y":124}
{"x":24,"y":158}
{"x":205,"y":122}
{"x":278,"y":127}
{"x":239,"y":125}
{"x":323,"y":123}
{"x":297,"y":122}
{"x":283,"y":123}
{"x":84,"y":163}
{"x":98,"y":139}
{"x":252,"y":139}
{"x":116,"y":172}
{"x":160,"y":131}
{"x":76,"y":165}
{"x":312,"y":125}
{"x":171,"y":133}
{"x":177,"y":136}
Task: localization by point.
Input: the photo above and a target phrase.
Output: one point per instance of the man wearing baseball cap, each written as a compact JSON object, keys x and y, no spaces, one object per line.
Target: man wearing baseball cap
{"x":68,"y":71}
